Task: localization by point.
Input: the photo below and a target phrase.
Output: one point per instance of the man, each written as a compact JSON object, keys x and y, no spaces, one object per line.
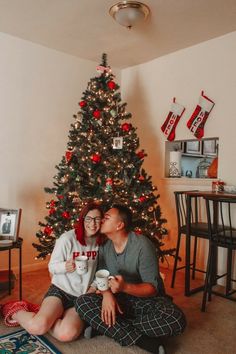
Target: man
{"x":135,"y":309}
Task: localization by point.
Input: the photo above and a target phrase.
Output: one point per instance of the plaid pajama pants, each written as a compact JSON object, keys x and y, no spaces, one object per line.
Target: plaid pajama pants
{"x":153,"y":317}
{"x":66,"y":299}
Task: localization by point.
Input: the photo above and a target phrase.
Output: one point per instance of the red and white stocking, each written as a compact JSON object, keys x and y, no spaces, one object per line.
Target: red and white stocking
{"x":168,"y":127}
{"x":198,"y":119}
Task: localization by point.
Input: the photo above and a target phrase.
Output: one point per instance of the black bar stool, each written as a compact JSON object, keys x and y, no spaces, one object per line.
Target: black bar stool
{"x":197,"y":229}
{"x":222,"y":231}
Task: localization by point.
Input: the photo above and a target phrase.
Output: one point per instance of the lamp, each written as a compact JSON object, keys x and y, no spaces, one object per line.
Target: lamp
{"x":129,"y":13}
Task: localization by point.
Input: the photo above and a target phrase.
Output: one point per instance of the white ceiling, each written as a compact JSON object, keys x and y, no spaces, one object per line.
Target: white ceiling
{"x":85,"y":29}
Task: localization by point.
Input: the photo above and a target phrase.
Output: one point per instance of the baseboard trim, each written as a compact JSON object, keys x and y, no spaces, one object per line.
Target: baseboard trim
{"x":31,"y":267}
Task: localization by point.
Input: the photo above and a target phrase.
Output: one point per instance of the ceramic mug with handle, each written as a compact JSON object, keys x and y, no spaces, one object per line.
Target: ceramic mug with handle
{"x":102,"y":278}
{"x":81,"y":264}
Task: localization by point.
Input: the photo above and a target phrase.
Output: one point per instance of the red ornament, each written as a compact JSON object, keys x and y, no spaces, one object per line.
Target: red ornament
{"x":83,"y":104}
{"x":109,"y":181}
{"x":68,"y":155}
{"x":52,"y":203}
{"x":48,"y":230}
{"x":141,"y":178}
{"x":66,"y":215}
{"x":140,"y":154}
{"x":52,"y":211}
{"x":96,"y":158}
{"x":97,"y":114}
{"x":60,"y":196}
{"x":109,"y":184}
{"x":138,"y":231}
{"x":126,"y":127}
{"x":111,"y":85}
{"x":142,"y":199}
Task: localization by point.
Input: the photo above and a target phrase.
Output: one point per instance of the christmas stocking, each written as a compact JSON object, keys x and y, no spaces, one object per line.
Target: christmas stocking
{"x":168,"y":127}
{"x":198,"y":119}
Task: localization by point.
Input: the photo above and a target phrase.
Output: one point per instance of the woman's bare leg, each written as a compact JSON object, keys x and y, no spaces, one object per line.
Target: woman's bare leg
{"x":51,"y":309}
{"x":69,"y":327}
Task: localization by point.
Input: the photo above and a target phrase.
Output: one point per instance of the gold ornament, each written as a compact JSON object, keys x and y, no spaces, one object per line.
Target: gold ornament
{"x":118,"y":182}
{"x":64,"y":179}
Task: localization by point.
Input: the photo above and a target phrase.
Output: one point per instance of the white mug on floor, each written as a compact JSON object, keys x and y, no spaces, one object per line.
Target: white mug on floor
{"x":81,"y":264}
{"x":102,"y":278}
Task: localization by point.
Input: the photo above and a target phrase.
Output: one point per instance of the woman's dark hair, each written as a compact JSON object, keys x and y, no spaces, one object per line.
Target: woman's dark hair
{"x":79,"y":227}
{"x":125,"y":214}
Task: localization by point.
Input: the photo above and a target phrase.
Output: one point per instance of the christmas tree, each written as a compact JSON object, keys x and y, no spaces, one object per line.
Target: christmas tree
{"x":102,"y":162}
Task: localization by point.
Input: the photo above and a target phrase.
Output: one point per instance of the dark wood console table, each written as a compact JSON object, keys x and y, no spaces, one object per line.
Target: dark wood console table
{"x":15,"y":245}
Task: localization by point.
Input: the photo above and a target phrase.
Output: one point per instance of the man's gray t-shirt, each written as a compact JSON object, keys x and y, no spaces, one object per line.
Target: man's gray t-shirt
{"x":138,"y":263}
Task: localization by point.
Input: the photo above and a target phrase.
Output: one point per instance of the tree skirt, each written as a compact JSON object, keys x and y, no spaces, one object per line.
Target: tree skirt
{"x":23,"y":342}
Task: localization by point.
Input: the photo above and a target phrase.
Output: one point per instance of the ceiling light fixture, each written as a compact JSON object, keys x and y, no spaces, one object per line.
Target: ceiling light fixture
{"x":129,"y":13}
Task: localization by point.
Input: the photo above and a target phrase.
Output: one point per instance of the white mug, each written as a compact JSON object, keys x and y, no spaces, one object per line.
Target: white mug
{"x":81,"y":264}
{"x":102,"y":278}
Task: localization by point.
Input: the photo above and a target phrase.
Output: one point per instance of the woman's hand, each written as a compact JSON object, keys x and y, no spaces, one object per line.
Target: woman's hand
{"x":70,"y":265}
{"x":110,"y":307}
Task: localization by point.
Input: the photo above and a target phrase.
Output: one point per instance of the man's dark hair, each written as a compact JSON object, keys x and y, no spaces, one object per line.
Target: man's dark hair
{"x":125,"y":214}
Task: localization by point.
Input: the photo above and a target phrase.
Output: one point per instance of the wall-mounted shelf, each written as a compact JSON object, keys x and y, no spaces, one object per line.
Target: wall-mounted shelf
{"x":192,"y":155}
{"x":193,"y":152}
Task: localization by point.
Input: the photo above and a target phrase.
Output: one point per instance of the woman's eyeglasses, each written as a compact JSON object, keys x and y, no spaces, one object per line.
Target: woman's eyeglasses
{"x":89,"y":219}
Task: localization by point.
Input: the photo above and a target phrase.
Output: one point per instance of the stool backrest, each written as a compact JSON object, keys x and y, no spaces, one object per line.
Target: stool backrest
{"x":221,"y":216}
{"x":181,"y":210}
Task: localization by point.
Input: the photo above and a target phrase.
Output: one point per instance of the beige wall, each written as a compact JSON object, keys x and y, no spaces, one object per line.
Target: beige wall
{"x":149,"y":89}
{"x":40,"y":89}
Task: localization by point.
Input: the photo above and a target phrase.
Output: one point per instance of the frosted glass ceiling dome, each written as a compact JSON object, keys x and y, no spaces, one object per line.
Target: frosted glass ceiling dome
{"x":129,"y":13}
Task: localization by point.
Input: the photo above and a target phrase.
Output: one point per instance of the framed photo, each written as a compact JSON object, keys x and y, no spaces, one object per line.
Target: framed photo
{"x":210,"y":147}
{"x":117,"y":142}
{"x":194,"y":147}
{"x":178,"y":146}
{"x":9,"y":224}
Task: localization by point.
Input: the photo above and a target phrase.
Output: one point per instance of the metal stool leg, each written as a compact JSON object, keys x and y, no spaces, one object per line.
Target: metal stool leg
{"x":9,"y":272}
{"x":229,"y":271}
{"x":208,"y":280}
{"x":176,"y":261}
{"x":194,"y":257}
{"x":20,"y":274}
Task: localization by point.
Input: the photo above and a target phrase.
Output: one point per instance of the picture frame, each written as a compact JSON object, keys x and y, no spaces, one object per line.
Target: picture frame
{"x":117,"y":143}
{"x":210,"y":147}
{"x":178,"y":146}
{"x":10,"y":224}
{"x":194,"y":147}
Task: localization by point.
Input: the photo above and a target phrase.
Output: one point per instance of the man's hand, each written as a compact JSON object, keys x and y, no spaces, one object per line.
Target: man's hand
{"x":117,"y":284}
{"x":110,"y":307}
{"x":70,"y":266}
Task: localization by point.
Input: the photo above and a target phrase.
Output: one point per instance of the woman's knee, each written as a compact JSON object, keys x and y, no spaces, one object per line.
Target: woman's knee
{"x":38,"y":326}
{"x":69,"y":333}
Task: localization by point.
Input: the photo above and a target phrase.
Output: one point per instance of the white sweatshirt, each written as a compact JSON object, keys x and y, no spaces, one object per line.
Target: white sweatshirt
{"x":68,"y":247}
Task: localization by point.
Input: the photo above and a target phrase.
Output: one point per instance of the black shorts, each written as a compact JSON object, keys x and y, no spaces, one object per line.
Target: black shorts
{"x":66,"y":299}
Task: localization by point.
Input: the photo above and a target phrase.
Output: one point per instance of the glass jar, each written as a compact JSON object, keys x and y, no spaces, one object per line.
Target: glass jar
{"x":202,"y":168}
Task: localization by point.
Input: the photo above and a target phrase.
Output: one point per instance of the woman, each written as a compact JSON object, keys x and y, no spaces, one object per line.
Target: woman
{"x":57,"y":312}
